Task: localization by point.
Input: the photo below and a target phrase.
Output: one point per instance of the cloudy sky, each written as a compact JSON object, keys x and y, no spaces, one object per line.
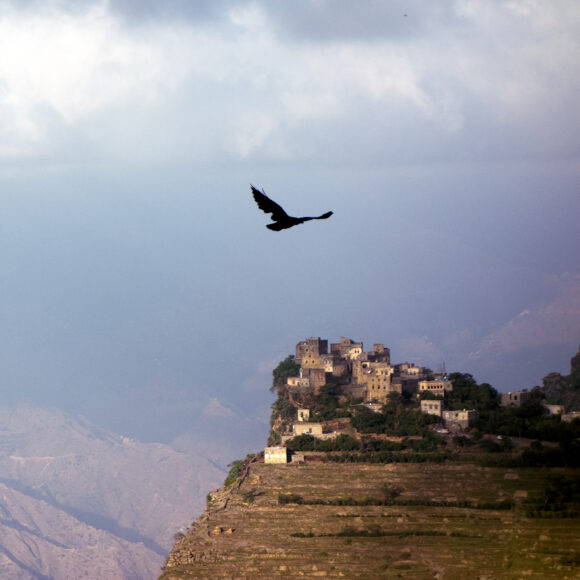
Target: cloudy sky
{"x":139,"y":285}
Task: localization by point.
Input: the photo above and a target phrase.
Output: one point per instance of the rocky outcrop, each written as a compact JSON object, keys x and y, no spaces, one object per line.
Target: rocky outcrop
{"x":575,"y":363}
{"x":564,"y":390}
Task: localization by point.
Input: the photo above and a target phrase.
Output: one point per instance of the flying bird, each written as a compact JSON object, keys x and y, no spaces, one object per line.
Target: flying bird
{"x":281,"y":220}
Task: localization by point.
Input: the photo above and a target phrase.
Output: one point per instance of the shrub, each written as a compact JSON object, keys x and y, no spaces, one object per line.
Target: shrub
{"x":250,"y":496}
{"x":490,"y":446}
{"x":235,"y":469}
{"x":309,"y":443}
{"x":389,"y":491}
{"x":285,"y":498}
{"x":463,"y":441}
{"x":287,"y":368}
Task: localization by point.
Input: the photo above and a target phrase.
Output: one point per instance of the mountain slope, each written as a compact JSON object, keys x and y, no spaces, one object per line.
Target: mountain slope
{"x":40,"y":541}
{"x":124,"y":497}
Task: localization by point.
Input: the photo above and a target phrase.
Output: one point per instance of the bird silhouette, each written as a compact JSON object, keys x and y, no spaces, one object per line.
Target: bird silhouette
{"x":281,"y":220}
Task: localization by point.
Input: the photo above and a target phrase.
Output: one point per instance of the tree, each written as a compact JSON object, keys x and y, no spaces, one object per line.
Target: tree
{"x":287,"y":368}
{"x":429,"y":396}
{"x":466,"y":392}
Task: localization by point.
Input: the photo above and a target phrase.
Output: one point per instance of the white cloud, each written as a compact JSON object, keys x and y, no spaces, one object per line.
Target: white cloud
{"x":252,"y":132}
{"x":237,"y":85}
{"x":74,"y":66}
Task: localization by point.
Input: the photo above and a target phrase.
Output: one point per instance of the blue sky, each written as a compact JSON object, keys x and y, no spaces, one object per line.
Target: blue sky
{"x":139,"y":284}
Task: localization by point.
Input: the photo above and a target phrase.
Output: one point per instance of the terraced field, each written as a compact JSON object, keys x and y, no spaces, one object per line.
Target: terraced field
{"x":438,"y":521}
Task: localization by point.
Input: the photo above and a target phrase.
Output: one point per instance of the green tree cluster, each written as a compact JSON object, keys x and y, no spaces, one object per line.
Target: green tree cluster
{"x":310,"y":443}
{"x":395,"y":419}
{"x":467,"y":393}
{"x":285,"y":369}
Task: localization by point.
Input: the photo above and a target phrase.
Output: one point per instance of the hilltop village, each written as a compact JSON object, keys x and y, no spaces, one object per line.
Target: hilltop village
{"x":477,"y":485}
{"x":360,"y":382}
{"x":371,"y":377}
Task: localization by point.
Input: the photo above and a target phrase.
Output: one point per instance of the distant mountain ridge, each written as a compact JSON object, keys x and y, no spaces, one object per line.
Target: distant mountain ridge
{"x":77,"y":498}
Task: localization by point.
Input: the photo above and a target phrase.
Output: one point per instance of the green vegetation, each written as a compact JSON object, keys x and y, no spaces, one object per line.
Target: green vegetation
{"x":467,"y":394}
{"x":234,"y":473}
{"x":388,"y":457}
{"x":310,"y":443}
{"x":250,"y":496}
{"x":283,"y":409}
{"x":287,"y":368}
{"x":463,"y":441}
{"x":560,"y":497}
{"x":325,"y":405}
{"x":395,"y":418}
{"x":285,"y":499}
{"x":529,"y":420}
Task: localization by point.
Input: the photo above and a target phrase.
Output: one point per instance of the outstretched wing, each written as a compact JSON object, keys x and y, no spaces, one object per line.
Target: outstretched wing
{"x":324,"y":215}
{"x":267,"y":205}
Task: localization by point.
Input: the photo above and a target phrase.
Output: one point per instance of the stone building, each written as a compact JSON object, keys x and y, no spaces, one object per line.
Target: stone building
{"x":514,"y":399}
{"x":437,"y":387}
{"x":408,"y":376}
{"x":369,"y":372}
{"x":312,"y":354}
{"x":347,"y":349}
{"x":375,"y":378}
{"x":309,"y":378}
{"x":307,"y":428}
{"x":317,"y":378}
{"x":325,"y":430}
{"x":432,"y":407}
{"x":553,"y":409}
{"x":411,"y":371}
{"x":303,"y":382}
{"x":277,"y":454}
{"x":569,"y":417}
{"x":379,"y":354}
{"x":303,"y":414}
{"x":309,"y":351}
{"x":460,"y":418}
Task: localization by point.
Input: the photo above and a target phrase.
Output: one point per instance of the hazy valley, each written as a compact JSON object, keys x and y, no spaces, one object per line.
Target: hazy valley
{"x":78,"y":501}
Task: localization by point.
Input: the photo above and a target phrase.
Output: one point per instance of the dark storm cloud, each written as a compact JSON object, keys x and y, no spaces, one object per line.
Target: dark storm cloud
{"x":199,"y":10}
{"x":140,"y":10}
{"x":344,"y":20}
{"x":310,"y":20}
